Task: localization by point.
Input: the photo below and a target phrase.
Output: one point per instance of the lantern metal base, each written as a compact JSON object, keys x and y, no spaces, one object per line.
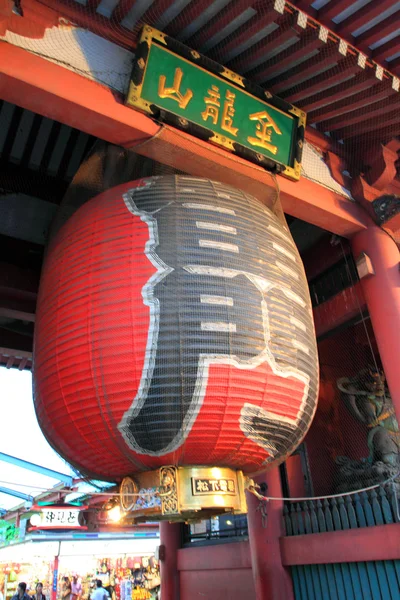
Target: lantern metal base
{"x":182,"y":494}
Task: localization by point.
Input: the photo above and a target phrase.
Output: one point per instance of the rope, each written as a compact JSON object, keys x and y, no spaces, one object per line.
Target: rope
{"x":252,"y":490}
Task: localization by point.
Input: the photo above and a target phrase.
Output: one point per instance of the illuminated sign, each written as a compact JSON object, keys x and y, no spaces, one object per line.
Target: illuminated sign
{"x":57,"y":517}
{"x":179,"y":86}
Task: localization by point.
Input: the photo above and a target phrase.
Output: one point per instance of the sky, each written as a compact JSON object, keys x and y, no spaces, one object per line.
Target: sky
{"x":20,"y":436}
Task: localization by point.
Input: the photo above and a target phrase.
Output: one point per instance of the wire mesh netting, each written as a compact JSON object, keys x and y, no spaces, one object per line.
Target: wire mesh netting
{"x":354,"y":441}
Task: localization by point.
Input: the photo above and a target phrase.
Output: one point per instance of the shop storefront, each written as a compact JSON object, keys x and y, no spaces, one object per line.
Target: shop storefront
{"x":29,"y":562}
{"x":127,"y":567}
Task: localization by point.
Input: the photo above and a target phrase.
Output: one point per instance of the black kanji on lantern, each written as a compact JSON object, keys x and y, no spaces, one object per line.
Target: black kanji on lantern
{"x":208,"y":304}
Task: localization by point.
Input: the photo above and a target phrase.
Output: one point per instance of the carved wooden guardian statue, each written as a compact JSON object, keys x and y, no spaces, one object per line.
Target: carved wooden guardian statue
{"x":368,"y":400}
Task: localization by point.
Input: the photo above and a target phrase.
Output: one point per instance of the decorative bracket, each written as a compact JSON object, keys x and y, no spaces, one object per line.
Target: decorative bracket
{"x":381,"y":161}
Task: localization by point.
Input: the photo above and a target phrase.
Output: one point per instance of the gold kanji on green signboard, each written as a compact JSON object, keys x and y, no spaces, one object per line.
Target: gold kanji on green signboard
{"x":223,"y":108}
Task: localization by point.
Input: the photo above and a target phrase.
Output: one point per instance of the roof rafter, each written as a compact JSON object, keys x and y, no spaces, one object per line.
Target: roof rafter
{"x":121,"y":10}
{"x":333,"y":9}
{"x":188,"y":15}
{"x":370,"y":97}
{"x":378,"y":32}
{"x":361,"y":114}
{"x":306,"y":44}
{"x":286,"y":31}
{"x":387,"y":50}
{"x":228,"y":14}
{"x":387,"y":122}
{"x":344,"y":89}
{"x":158,"y":8}
{"x":363,"y":16}
{"x":295,"y":76}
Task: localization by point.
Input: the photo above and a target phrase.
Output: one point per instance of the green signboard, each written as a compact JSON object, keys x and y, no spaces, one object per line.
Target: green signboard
{"x":9,"y":532}
{"x":179,"y":86}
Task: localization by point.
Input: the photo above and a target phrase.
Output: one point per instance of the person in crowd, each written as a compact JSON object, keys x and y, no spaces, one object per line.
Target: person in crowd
{"x":21,"y":592}
{"x":66,"y":589}
{"x":76,"y":588}
{"x":100,"y":593}
{"x":38,"y":595}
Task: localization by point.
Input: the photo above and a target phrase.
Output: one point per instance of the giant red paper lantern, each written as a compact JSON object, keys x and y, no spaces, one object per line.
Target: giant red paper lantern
{"x":174,"y":326}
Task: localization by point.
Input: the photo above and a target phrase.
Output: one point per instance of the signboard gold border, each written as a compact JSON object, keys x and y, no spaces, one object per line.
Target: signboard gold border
{"x":134,"y":99}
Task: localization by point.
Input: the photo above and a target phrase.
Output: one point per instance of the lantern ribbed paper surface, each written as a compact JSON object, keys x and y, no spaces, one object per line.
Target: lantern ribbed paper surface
{"x":174,"y":326}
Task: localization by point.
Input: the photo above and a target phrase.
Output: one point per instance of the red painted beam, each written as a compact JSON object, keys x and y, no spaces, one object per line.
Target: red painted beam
{"x":52,"y":91}
{"x":325,"y":210}
{"x":340,"y":309}
{"x":352,"y":545}
{"x":362,"y":16}
{"x":305,"y":199}
{"x":48,"y":89}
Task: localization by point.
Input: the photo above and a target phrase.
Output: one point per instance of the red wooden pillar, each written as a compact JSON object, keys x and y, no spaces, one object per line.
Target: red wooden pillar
{"x":170,"y":542}
{"x":271,"y":579}
{"x":378,"y":257}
